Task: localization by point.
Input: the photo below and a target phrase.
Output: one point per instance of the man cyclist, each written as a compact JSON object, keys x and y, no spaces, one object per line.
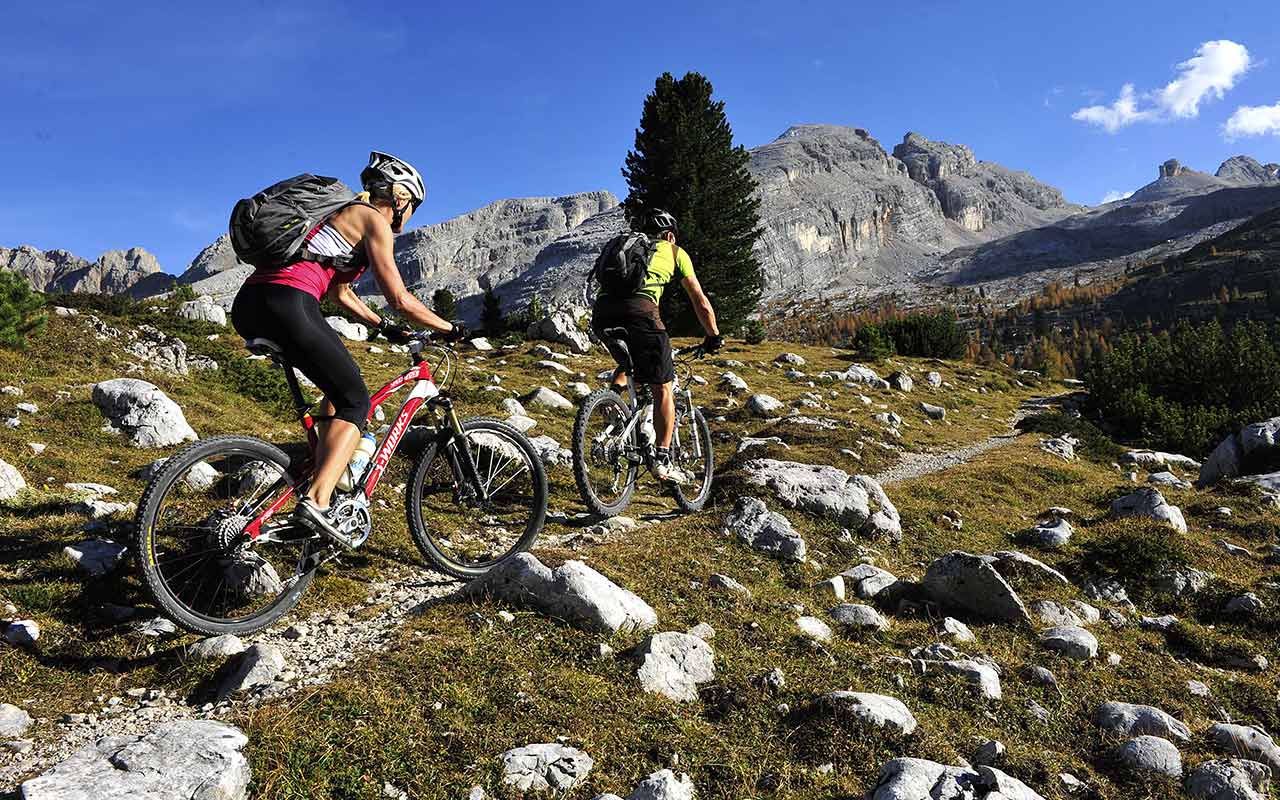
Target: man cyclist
{"x":647,"y":337}
{"x":283,"y":304}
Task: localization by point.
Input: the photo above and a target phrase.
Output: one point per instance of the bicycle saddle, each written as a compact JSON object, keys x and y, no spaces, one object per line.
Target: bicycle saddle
{"x":263,"y":347}
{"x":615,"y":341}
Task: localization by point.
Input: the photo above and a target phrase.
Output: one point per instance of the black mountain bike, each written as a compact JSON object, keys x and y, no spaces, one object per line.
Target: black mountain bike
{"x":611,"y":443}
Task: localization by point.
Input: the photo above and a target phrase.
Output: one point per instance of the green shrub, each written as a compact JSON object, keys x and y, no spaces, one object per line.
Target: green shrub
{"x":1133,"y":555}
{"x":20,"y":310}
{"x":1094,"y":442}
{"x":927,"y":335}
{"x":1208,"y":646}
{"x":182,"y":293}
{"x":116,"y":305}
{"x":872,"y":344}
{"x":753,"y":331}
{"x":1188,"y":388}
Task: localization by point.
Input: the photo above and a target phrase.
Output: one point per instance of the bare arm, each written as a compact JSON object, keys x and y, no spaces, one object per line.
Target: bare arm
{"x":378,"y":241}
{"x":701,"y":305}
{"x":350,"y":302}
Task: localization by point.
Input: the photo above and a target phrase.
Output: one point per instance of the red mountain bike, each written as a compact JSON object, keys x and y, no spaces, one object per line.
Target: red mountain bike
{"x":218,"y":555}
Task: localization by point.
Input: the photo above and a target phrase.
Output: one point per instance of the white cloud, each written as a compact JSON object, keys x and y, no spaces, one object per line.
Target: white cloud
{"x":1253,"y":121}
{"x":1122,"y":113}
{"x":1209,"y":74}
{"x":1114,"y":195}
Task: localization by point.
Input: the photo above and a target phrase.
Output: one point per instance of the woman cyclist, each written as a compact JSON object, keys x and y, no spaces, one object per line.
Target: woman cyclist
{"x":283,"y":305}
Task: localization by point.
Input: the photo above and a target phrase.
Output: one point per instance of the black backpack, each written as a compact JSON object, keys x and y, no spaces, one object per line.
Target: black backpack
{"x":621,"y":266}
{"x":270,"y":229}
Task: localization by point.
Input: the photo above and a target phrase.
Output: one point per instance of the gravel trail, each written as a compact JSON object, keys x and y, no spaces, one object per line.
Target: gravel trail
{"x":917,"y":465}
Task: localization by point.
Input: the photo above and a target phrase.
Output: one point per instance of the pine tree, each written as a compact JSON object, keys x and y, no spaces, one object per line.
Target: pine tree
{"x":19,"y":310}
{"x":491,"y":314}
{"x":685,"y":162}
{"x":444,"y":303}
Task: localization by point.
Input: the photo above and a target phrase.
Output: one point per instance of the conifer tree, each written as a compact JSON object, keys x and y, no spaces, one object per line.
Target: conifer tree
{"x":444,"y":303}
{"x":685,"y":162}
{"x":491,"y":314}
{"x":20,"y":310}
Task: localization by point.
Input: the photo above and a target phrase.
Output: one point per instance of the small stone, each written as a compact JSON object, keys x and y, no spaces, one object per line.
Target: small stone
{"x":703,"y":631}
{"x":1151,"y":754}
{"x":851,"y":617}
{"x":957,"y":630}
{"x":157,"y":627}
{"x":1229,"y":779}
{"x":872,"y":710}
{"x":814,"y":628}
{"x":543,"y":767}
{"x":14,"y":721}
{"x":726,"y":584}
{"x":990,"y":754}
{"x":22,"y":633}
{"x":216,"y":647}
{"x":1198,"y":689}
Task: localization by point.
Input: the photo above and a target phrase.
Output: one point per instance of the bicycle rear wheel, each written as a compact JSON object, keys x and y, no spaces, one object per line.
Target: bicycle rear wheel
{"x":197,"y":562}
{"x":458,"y":532}
{"x":691,"y":451}
{"x":602,"y":468}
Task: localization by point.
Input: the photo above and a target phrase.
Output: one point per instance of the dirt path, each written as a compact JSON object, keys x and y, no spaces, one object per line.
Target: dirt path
{"x":917,"y":465}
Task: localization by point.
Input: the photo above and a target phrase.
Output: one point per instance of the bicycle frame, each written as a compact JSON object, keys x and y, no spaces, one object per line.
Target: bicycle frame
{"x":424,"y":391}
{"x":638,"y":404}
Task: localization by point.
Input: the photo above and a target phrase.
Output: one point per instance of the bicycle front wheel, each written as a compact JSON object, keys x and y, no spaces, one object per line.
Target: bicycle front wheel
{"x":465,"y":527}
{"x":602,"y":463}
{"x":691,"y":451}
{"x":197,"y":560}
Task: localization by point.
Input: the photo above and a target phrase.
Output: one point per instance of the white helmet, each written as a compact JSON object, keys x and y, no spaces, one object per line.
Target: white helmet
{"x":385,"y":171}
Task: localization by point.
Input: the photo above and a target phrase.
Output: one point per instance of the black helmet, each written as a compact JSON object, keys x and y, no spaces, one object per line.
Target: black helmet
{"x":660,"y":222}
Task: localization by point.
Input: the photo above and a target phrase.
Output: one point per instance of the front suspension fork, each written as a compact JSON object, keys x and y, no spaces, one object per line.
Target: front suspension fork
{"x":462,"y":459}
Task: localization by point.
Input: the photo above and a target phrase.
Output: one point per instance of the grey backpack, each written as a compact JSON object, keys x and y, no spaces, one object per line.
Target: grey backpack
{"x":621,"y":267}
{"x":270,"y":229}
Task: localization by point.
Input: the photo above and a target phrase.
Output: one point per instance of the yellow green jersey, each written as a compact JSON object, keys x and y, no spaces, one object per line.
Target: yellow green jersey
{"x":667,"y":263}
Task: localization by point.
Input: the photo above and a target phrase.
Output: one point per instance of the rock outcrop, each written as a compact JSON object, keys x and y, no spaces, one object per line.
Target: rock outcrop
{"x":142,"y":413}
{"x":572,"y":591}
{"x":175,"y":761}
{"x":115,"y":271}
{"x":857,"y":502}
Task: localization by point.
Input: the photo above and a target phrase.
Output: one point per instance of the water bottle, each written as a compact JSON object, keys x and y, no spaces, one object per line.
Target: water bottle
{"x":359,"y":460}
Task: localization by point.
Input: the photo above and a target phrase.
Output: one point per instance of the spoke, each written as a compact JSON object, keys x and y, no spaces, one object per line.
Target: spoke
{"x":522,"y":471}
{"x":188,"y":556}
{"x":172,"y":578}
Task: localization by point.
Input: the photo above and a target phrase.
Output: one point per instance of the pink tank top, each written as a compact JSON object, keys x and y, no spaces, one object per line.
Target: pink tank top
{"x":309,"y":276}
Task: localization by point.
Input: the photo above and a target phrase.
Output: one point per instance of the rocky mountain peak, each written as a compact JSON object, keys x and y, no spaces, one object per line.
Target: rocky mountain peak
{"x":492,"y":245}
{"x":927,"y":160}
{"x":1173,"y":168}
{"x":1246,"y":169}
{"x":57,"y":270}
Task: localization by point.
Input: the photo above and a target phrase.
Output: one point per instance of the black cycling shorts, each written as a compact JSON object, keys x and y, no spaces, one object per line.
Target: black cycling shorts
{"x":647,"y":339}
{"x":292,"y":319}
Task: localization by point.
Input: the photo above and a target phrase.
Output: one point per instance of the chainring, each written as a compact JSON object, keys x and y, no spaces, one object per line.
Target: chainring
{"x":351,"y":516}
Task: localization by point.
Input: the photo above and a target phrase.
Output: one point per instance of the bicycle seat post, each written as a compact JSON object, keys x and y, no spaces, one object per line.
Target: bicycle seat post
{"x":268,"y":348}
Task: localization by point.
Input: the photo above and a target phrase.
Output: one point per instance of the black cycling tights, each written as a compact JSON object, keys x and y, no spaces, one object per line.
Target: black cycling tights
{"x":291,"y":318}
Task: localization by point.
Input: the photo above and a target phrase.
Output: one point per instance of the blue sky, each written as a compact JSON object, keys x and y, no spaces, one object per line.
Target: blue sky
{"x":140,"y":124}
